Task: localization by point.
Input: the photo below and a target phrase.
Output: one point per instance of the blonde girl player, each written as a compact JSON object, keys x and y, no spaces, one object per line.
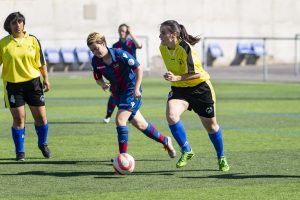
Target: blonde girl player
{"x":23,"y":64}
{"x":122,"y":71}
{"x":127,"y":42}
{"x":190,"y":90}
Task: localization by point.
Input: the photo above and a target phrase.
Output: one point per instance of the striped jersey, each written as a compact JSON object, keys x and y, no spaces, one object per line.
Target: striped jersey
{"x":120,"y":73}
{"x":128,"y":45}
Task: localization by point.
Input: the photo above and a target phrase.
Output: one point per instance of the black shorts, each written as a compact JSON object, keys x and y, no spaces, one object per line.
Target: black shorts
{"x":201,"y":98}
{"x":30,"y":92}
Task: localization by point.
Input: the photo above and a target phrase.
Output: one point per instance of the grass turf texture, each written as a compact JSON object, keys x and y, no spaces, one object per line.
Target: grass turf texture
{"x":260,"y":123}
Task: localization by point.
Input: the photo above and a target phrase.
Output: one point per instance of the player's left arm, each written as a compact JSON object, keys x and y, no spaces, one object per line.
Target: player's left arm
{"x":139,"y":77}
{"x":44,"y":73}
{"x":1,"y":56}
{"x":135,"y":40}
{"x":40,"y":60}
{"x":169,"y":76}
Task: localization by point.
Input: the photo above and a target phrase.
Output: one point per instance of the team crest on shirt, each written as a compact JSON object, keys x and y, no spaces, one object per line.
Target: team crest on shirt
{"x":131,"y":62}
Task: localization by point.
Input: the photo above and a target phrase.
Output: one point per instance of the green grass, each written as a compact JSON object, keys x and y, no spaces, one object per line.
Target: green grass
{"x":261,"y":131}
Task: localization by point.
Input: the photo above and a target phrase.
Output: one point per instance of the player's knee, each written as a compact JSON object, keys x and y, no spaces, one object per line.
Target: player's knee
{"x":120,"y":121}
{"x":212,"y":128}
{"x":19,"y":122}
{"x":172,"y":118}
{"x":141,"y":126}
{"x":40,"y":121}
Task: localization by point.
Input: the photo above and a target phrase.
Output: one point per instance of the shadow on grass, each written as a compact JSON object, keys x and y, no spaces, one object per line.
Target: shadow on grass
{"x":241,"y":176}
{"x":99,"y":174}
{"x":66,"y":162}
{"x":171,"y":172}
{"x":72,"y":122}
{"x":56,"y":162}
{"x":64,"y":174}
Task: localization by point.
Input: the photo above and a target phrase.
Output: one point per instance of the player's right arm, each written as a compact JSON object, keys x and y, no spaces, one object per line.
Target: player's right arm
{"x":135,"y":40}
{"x":0,"y":55}
{"x":103,"y":84}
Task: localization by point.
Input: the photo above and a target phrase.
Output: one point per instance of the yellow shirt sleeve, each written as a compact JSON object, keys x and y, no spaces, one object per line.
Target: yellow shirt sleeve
{"x":1,"y":55}
{"x":39,"y":56}
{"x":191,"y":58}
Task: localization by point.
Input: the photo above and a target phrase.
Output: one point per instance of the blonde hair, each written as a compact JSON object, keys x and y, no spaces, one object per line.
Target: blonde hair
{"x":95,"y":38}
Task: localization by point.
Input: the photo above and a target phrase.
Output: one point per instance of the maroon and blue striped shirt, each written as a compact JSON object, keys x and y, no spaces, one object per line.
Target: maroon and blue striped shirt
{"x":120,"y":73}
{"x":128,"y":46}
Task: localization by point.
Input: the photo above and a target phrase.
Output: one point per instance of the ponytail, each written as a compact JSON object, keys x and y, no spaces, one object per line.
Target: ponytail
{"x":174,"y":27}
{"x":189,"y":38}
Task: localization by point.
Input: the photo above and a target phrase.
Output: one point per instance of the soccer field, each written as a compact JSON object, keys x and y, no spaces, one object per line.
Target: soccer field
{"x":261,"y":131}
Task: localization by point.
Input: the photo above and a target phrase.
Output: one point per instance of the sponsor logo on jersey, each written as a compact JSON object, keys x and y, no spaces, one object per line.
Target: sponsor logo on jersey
{"x":116,"y":65}
{"x":100,"y":67}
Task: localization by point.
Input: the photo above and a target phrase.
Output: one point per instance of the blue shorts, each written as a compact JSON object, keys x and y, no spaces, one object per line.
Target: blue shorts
{"x":126,"y":101}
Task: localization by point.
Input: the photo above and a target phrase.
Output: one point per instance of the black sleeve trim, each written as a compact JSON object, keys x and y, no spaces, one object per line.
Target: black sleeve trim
{"x":42,"y":58}
{"x":188,"y":50}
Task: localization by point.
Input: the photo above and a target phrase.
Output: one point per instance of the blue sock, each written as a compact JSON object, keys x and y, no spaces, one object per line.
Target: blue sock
{"x":180,"y":136}
{"x":18,"y":136}
{"x":122,"y":138}
{"x":154,"y":134}
{"x":217,"y":141}
{"x":42,"y":133}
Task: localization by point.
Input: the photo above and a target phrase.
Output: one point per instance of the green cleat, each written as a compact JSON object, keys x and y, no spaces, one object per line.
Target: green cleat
{"x":184,"y":158}
{"x":223,"y":165}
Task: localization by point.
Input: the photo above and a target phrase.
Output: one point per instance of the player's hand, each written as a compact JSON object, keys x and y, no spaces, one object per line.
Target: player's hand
{"x":137,"y":94}
{"x":169,"y":76}
{"x":129,"y":30}
{"x":46,"y":85}
{"x":105,"y":86}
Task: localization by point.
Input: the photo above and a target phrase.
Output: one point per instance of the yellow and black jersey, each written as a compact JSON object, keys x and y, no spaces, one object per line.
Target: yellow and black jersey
{"x":182,"y":60}
{"x":21,"y":58}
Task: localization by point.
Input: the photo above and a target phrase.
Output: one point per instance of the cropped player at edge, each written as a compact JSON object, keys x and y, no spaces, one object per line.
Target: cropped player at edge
{"x":127,"y":42}
{"x":23,"y":64}
{"x":125,"y":76}
{"x":190,"y":90}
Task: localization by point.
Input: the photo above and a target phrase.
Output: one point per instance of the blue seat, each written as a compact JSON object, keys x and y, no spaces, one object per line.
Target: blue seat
{"x":82,"y":55}
{"x":67,"y":55}
{"x":215,"y":50}
{"x":91,"y":54}
{"x":244,"y":48}
{"x":52,"y":55}
{"x":258,"y":48}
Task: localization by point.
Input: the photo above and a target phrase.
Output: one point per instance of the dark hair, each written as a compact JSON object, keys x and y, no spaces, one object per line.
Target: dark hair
{"x":15,"y":16}
{"x":123,"y":25}
{"x":174,"y":27}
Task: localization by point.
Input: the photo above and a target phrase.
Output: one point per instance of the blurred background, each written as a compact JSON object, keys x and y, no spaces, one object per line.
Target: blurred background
{"x":261,"y":36}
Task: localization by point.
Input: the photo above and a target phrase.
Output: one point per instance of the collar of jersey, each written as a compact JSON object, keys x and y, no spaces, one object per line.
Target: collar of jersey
{"x":25,"y":35}
{"x":111,"y":51}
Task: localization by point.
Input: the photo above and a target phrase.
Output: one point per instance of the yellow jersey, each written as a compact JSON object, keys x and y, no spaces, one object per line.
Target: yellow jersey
{"x":21,"y":58}
{"x":182,"y":60}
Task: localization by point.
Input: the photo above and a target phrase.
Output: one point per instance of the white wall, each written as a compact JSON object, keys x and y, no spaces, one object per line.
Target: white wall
{"x":57,"y":21}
